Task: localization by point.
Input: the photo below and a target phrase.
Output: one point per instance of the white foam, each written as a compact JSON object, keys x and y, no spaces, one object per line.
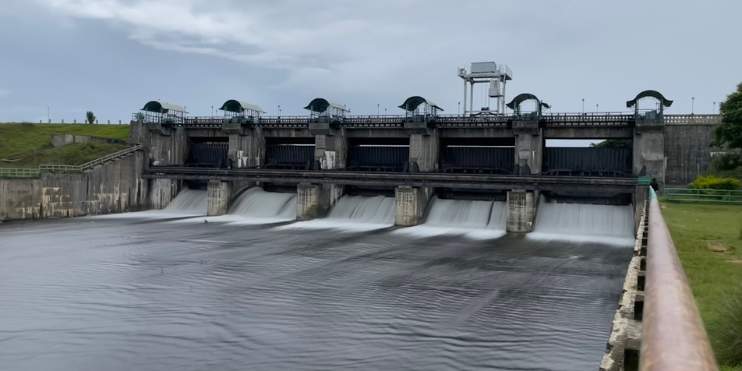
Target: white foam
{"x":606,"y":224}
{"x":473,"y":219}
{"x":354,"y":214}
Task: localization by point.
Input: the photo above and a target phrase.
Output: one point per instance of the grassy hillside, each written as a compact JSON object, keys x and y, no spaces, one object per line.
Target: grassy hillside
{"x":709,"y":242}
{"x":71,"y":154}
{"x":18,"y":139}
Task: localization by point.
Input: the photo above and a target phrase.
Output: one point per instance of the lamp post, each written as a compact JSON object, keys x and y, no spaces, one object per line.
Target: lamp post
{"x":583,"y":106}
{"x":377,"y":109}
{"x":692,"y":104}
{"x":384,"y":111}
{"x":458,"y":110}
{"x":596,"y":108}
{"x":212,"y":111}
{"x":279,"y":110}
{"x":714,"y":111}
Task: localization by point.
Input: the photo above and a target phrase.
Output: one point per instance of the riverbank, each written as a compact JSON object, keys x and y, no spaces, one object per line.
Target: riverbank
{"x":19,"y":139}
{"x":709,"y":242}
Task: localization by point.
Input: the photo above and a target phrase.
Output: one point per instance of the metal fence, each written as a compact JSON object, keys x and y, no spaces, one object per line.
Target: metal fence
{"x":673,"y":335}
{"x":588,"y":159}
{"x":35,"y":172}
{"x":715,"y":196}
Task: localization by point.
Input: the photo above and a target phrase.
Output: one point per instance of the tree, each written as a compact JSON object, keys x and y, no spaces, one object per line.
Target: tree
{"x":90,"y":117}
{"x":613,"y":143}
{"x":729,"y":133}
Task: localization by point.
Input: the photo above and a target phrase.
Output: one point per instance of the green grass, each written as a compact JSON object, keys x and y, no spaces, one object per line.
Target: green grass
{"x":18,"y":139}
{"x":71,"y":154}
{"x":715,"y":276}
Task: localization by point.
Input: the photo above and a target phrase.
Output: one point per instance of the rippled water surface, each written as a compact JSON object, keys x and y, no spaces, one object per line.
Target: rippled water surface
{"x":107,"y":294}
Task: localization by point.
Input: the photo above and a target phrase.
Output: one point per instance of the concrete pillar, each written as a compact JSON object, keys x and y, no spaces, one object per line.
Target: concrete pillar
{"x":410,"y":205}
{"x":521,"y":211}
{"x":424,"y":145}
{"x":529,"y":145}
{"x":218,"y":194}
{"x":649,"y":149}
{"x":167,"y":146}
{"x":162,"y":191}
{"x":331,"y":151}
{"x":246,"y":144}
{"x":307,"y":201}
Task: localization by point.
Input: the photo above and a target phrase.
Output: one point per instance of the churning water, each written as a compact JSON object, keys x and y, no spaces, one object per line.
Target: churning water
{"x":355,"y":213}
{"x":255,"y":203}
{"x":476,"y":219}
{"x":188,"y":202}
{"x":582,"y":222}
{"x":130,"y":295}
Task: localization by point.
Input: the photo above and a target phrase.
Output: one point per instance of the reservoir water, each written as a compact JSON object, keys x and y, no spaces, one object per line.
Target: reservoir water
{"x":144,"y":294}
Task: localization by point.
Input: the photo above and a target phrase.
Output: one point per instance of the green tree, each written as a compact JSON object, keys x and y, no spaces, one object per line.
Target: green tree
{"x":613,"y":143}
{"x":729,"y":133}
{"x":90,"y":117}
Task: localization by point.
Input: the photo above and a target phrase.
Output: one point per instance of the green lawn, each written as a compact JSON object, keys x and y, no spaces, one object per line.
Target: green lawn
{"x":71,"y":154}
{"x":709,"y":242}
{"x":18,"y":139}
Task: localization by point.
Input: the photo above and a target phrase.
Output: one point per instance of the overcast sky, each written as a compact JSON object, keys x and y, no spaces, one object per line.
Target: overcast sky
{"x":112,"y":56}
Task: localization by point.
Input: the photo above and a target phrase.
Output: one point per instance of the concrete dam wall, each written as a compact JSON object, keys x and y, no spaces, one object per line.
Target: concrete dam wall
{"x":112,"y":188}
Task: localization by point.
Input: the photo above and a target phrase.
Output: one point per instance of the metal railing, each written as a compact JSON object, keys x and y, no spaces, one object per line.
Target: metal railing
{"x":35,"y":172}
{"x":692,"y":119}
{"x":19,"y":173}
{"x":718,"y":196}
{"x":673,"y":336}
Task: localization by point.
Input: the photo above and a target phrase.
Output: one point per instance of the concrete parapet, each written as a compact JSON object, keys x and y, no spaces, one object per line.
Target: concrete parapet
{"x":410,"y":205}
{"x":521,"y":211}
{"x":323,"y":128}
{"x":418,"y":128}
{"x":218,"y":194}
{"x":307,"y":201}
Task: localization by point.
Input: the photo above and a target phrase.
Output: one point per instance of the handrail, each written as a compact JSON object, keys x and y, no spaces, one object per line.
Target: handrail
{"x":689,"y":195}
{"x":673,"y":335}
{"x":31,"y":172}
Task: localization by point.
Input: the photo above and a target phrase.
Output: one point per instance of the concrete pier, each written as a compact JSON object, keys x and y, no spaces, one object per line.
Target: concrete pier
{"x":218,"y":194}
{"x":529,"y":146}
{"x":331,"y":151}
{"x":521,"y":211}
{"x":410,"y":205}
{"x":307,"y":201}
{"x":649,"y":149}
{"x":246,"y":145}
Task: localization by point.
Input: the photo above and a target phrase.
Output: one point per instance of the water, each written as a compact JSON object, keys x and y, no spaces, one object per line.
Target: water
{"x":581,"y":222}
{"x":257,"y":203}
{"x":475,"y":219}
{"x":86,"y":294}
{"x":188,"y":202}
{"x":355,"y":214}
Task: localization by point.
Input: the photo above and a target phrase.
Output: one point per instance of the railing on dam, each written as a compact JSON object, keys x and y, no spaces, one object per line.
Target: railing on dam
{"x":673,"y":336}
{"x":35,"y":172}
{"x":717,"y":196}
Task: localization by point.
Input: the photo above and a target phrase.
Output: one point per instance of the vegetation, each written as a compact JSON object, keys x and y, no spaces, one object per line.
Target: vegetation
{"x":18,"y":139}
{"x":613,"y":143}
{"x":90,"y":116}
{"x":71,"y":154}
{"x":729,"y":133}
{"x":708,"y":241}
{"x":713,"y":182}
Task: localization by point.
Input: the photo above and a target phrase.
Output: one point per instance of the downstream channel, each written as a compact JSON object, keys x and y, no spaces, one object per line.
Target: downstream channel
{"x":175,"y":292}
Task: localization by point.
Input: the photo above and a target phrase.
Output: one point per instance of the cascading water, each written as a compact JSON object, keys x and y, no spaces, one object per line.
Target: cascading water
{"x":476,"y":219}
{"x":365,"y":209}
{"x":188,"y":202}
{"x":257,"y":203}
{"x":581,"y":222}
{"x":355,"y":213}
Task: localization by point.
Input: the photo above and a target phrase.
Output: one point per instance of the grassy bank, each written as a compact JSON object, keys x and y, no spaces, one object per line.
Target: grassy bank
{"x":709,"y":242}
{"x":18,"y":139}
{"x":71,"y":154}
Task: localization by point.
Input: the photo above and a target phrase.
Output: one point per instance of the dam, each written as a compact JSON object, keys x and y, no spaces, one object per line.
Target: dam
{"x":419,"y":241}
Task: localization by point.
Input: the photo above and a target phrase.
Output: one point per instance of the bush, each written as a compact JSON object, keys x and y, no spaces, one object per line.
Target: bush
{"x":727,"y":161}
{"x":712,"y":182}
{"x":728,"y":345}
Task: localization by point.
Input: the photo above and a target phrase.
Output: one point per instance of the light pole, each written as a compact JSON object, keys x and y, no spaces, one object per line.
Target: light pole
{"x":692,"y":104}
{"x":212,"y":111}
{"x":458,"y":110}
{"x":48,"y":119}
{"x":377,"y":109}
{"x":583,"y":106}
{"x":596,"y":108}
{"x":279,"y":110}
{"x":714,"y":111}
{"x":384,"y":111}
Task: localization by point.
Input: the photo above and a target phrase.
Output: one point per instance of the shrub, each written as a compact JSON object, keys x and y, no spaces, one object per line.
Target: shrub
{"x":729,"y":331}
{"x":713,"y":182}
